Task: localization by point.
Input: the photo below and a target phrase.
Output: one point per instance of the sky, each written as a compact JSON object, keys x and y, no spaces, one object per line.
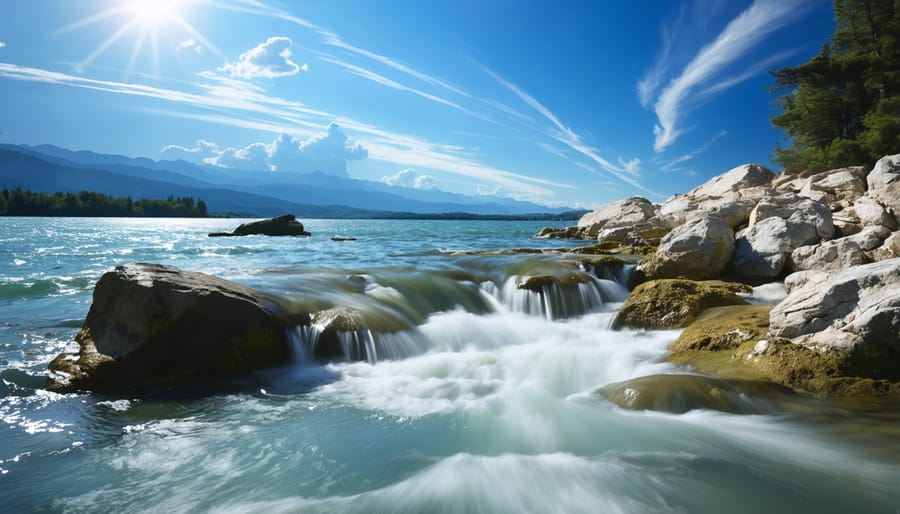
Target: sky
{"x":565,"y":103}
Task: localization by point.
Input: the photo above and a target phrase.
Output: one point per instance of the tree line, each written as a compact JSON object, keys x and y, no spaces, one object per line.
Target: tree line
{"x":842,"y":107}
{"x":89,"y":204}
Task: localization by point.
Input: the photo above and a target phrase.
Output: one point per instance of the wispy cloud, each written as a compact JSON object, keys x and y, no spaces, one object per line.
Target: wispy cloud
{"x":565,"y":135}
{"x":669,"y":166}
{"x":2,"y":44}
{"x":381,"y":79}
{"x":743,"y":33}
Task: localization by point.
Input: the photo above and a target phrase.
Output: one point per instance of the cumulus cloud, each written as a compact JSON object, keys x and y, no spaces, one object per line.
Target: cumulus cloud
{"x":269,"y":60}
{"x":327,"y":152}
{"x":741,"y":35}
{"x":409,"y":178}
{"x":190,"y":44}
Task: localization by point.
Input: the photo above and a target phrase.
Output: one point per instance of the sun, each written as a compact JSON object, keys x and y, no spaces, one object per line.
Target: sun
{"x":146,"y":20}
{"x":153,"y":13}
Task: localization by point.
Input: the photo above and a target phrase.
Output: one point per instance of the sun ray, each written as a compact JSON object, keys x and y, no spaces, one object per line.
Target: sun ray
{"x":102,"y":15}
{"x":106,"y":44}
{"x":136,"y":49}
{"x":146,"y":19}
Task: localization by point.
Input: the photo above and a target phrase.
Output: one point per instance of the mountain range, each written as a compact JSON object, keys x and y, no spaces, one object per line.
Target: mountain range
{"x":50,"y":169}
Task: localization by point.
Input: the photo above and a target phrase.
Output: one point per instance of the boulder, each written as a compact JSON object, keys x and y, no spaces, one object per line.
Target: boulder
{"x":156,"y":326}
{"x":872,"y":214}
{"x":888,"y":250}
{"x":854,"y":312}
{"x":778,"y":226}
{"x":678,"y":394}
{"x":697,"y":250}
{"x":285,"y":225}
{"x":630,"y":212}
{"x":560,"y":233}
{"x":884,"y":183}
{"x":675,"y":303}
{"x":837,"y":189}
{"x":837,"y":254}
{"x":797,"y":209}
{"x":729,"y":197}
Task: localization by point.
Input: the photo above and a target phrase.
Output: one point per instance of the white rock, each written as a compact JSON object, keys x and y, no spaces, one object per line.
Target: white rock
{"x":698,"y":250}
{"x":884,"y":183}
{"x":854,"y":309}
{"x":765,"y":246}
{"x":835,"y":188}
{"x":872,"y":213}
{"x":628,"y":212}
{"x":797,"y":209}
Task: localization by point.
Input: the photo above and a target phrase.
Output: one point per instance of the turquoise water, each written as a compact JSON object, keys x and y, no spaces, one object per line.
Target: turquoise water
{"x":488,"y":404}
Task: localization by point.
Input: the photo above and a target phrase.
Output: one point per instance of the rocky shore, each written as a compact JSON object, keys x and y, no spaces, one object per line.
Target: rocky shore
{"x":831,"y":238}
{"x":830,"y":241}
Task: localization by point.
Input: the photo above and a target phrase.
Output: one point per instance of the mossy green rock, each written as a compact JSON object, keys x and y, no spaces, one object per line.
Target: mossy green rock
{"x":157,"y":326}
{"x":682,"y":393}
{"x":675,"y":303}
{"x":731,"y":343}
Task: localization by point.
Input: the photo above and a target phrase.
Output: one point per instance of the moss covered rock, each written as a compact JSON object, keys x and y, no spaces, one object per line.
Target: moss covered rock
{"x":675,"y":303}
{"x":731,"y":343}
{"x":157,"y":326}
{"x":682,"y":393}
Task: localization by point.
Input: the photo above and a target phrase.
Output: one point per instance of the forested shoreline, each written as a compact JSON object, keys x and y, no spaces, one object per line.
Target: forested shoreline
{"x":89,"y":204}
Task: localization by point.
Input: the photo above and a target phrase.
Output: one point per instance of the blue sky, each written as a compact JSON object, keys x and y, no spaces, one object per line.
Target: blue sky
{"x":576,"y":102}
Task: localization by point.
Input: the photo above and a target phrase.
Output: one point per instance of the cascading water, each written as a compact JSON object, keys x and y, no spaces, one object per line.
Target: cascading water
{"x":469,"y":394}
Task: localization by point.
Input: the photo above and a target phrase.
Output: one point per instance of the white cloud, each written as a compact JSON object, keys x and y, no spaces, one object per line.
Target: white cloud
{"x":269,"y":60}
{"x":740,"y":35}
{"x":326,"y":152}
{"x":409,"y":178}
{"x":2,"y":44}
{"x":694,"y":153}
{"x":304,"y":68}
{"x":190,"y":44}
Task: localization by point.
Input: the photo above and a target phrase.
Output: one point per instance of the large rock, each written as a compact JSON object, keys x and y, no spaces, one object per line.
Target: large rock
{"x":837,"y":189}
{"x":855,"y":312}
{"x":888,"y":250}
{"x":633,"y":211}
{"x":729,"y":197}
{"x":155,"y":326}
{"x":682,"y":393}
{"x":884,"y":183}
{"x":837,"y":254}
{"x":698,"y":250}
{"x":870,"y":213}
{"x":778,"y":226}
{"x":675,"y":303}
{"x":284,"y":225}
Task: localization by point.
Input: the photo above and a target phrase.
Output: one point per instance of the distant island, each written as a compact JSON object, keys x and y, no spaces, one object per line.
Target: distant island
{"x":89,"y":204}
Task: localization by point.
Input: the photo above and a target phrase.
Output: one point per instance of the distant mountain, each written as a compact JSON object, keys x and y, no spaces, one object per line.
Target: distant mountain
{"x":48,"y":168}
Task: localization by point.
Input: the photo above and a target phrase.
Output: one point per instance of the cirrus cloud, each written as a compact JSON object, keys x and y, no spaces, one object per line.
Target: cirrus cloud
{"x":270,"y":59}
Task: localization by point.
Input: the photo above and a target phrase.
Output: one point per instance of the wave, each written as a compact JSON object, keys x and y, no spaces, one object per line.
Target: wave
{"x":45,"y":287}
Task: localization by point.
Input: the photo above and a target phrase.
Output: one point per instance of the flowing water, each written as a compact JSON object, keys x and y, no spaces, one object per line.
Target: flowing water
{"x":473,"y":395}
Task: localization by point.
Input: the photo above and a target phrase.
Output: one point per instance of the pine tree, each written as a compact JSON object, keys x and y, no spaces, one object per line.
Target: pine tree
{"x":843,"y":106}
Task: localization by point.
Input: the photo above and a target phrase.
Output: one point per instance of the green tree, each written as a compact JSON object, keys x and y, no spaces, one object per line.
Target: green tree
{"x":843,"y":106}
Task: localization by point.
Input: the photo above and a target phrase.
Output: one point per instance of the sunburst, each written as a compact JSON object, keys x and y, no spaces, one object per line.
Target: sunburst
{"x":146,"y":19}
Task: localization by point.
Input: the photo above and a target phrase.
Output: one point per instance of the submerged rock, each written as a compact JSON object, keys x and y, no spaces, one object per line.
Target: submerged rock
{"x":284,"y":225}
{"x":155,"y":326}
{"x":675,"y":303}
{"x":678,"y":394}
